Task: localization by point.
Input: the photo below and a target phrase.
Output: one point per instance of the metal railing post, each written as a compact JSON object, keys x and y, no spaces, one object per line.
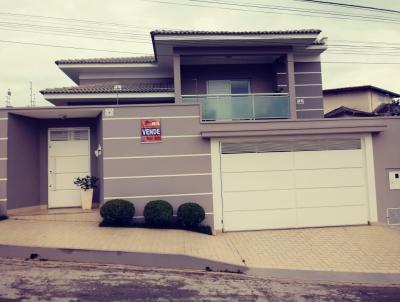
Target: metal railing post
{"x":253,"y":107}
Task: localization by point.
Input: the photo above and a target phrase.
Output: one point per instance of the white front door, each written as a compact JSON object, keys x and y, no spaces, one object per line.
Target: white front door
{"x":69,"y":157}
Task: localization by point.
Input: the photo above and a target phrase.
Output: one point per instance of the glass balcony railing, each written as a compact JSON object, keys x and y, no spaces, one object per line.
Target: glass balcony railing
{"x":220,"y":107}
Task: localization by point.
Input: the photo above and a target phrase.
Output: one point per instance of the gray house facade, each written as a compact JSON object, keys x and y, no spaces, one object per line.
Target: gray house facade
{"x":231,"y":120}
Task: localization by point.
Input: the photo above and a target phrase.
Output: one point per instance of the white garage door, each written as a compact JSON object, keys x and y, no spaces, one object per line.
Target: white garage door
{"x":293,"y":184}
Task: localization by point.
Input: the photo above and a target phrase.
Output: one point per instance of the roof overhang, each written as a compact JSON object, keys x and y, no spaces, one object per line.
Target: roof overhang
{"x":73,"y":70}
{"x":79,"y":98}
{"x":57,"y":113}
{"x":294,"y":127}
{"x":164,"y":45}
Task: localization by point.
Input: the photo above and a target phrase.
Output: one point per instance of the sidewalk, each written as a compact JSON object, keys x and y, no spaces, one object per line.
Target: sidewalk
{"x":361,"y":249}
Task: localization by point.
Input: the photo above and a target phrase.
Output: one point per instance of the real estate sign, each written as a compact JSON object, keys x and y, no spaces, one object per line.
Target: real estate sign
{"x":150,"y":130}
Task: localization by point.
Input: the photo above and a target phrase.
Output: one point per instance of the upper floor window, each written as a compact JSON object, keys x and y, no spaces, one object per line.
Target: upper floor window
{"x":228,"y":87}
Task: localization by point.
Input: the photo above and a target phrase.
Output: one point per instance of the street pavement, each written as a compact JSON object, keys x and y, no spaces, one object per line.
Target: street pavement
{"x":34,"y":280}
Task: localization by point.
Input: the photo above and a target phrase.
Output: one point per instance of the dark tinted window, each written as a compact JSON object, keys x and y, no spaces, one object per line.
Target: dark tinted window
{"x":240,"y":86}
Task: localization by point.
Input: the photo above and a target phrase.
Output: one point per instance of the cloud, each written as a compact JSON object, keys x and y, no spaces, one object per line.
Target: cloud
{"x":20,"y":64}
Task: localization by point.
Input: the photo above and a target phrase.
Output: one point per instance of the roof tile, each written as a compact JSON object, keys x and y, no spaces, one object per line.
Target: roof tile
{"x":109,"y":88}
{"x":203,"y":32}
{"x":116,"y":60}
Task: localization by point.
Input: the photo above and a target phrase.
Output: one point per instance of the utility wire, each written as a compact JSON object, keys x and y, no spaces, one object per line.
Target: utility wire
{"x":70,"y":47}
{"x":139,"y":53}
{"x":279,"y":11}
{"x":384,"y":10}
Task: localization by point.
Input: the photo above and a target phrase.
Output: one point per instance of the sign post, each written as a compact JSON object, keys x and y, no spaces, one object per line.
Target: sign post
{"x":150,"y":130}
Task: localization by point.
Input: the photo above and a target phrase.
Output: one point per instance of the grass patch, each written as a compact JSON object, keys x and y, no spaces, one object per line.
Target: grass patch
{"x":203,"y":229}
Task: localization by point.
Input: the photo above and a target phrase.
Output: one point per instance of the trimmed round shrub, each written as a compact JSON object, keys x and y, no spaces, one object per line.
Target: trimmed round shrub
{"x":190,"y":214}
{"x":158,"y":213}
{"x":117,"y":212}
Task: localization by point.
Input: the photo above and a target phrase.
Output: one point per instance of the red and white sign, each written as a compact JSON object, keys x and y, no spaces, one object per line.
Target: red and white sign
{"x":150,"y":130}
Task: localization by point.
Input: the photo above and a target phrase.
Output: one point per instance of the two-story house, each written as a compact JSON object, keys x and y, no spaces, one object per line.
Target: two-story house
{"x":239,"y":128}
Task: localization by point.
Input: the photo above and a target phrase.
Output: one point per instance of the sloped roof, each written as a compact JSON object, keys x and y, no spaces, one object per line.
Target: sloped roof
{"x":116,"y":60}
{"x":343,"y":110}
{"x":109,"y":88}
{"x":360,"y":88}
{"x":224,"y":33}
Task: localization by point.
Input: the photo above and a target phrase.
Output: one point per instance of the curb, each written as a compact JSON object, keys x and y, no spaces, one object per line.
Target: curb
{"x":180,"y":261}
{"x":176,"y":261}
{"x":327,"y":276}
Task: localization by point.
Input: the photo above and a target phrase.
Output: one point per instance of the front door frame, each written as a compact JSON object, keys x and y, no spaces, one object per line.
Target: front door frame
{"x":48,"y":154}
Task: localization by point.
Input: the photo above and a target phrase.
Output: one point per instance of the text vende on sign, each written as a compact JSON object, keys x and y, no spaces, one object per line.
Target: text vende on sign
{"x":150,"y":130}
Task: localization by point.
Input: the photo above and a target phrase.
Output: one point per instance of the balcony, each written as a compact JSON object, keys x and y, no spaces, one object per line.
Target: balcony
{"x":229,"y":107}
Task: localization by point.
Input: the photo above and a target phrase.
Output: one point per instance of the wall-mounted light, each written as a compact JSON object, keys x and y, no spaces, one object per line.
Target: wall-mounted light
{"x":98,"y":151}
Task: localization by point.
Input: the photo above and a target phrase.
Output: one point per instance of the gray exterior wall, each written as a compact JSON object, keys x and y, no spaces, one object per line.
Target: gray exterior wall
{"x":99,"y":161}
{"x":125,"y":81}
{"x":308,"y":84}
{"x":194,"y":77}
{"x":26,"y":167}
{"x":387,"y":157}
{"x":177,"y":170}
{"x":23,"y":162}
{"x":3,"y":161}
{"x":53,"y":123}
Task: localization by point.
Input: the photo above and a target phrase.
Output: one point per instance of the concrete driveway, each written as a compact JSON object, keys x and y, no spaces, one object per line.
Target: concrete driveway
{"x":359,"y":249}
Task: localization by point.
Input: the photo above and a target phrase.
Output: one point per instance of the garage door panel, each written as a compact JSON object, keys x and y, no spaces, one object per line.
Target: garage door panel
{"x":257,"y":162}
{"x":259,"y":200}
{"x":331,"y":216}
{"x":328,"y":197}
{"x":328,"y":159}
{"x":259,"y":220}
{"x":248,"y":181}
{"x":329,"y":178}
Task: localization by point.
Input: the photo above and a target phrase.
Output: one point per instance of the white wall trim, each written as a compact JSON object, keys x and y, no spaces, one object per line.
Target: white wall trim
{"x":240,"y":37}
{"x":282,"y":85}
{"x":3,"y":158}
{"x":281,"y":73}
{"x":370,"y":177}
{"x":155,"y":196}
{"x":138,"y":137}
{"x":305,"y":85}
{"x":3,"y":118}
{"x":3,"y":179}
{"x":216,"y":184}
{"x":308,"y":97}
{"x":107,"y":65}
{"x":314,"y":109}
{"x":3,"y":138}
{"x":3,"y":199}
{"x":157,"y":156}
{"x":155,"y":176}
{"x":111,"y":95}
{"x":307,"y":72}
{"x":150,"y":117}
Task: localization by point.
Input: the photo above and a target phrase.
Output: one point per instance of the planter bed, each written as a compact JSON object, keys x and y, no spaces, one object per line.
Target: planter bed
{"x":199,"y":229}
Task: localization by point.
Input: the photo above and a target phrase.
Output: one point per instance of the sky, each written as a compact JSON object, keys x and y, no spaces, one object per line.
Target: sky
{"x":98,"y":24}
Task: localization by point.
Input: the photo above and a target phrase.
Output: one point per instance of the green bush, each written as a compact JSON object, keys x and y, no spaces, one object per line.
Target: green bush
{"x":190,"y":214}
{"x":158,"y":213}
{"x":117,"y":212}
